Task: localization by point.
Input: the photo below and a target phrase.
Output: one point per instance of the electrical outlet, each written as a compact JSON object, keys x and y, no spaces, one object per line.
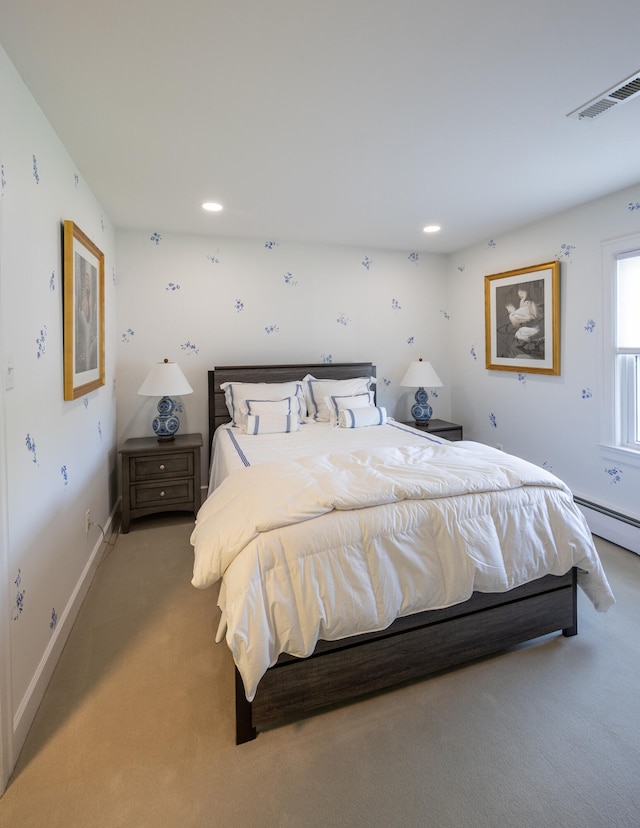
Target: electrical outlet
{"x":88,"y":519}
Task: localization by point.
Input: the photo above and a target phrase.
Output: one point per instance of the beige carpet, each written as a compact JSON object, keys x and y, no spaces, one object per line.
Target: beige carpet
{"x":136,"y":728}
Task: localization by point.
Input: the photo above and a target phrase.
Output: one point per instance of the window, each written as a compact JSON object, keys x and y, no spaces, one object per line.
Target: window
{"x":627,"y":349}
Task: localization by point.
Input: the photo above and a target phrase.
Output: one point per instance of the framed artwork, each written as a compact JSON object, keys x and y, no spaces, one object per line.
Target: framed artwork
{"x":83,"y":303}
{"x":522,"y":319}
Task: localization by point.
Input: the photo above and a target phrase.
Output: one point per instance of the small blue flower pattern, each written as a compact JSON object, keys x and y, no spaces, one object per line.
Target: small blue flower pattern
{"x":190,"y":348}
{"x":367,"y":262}
{"x":126,"y":336}
{"x":327,"y":359}
{"x":589,"y":327}
{"x":156,"y":238}
{"x":587,"y":393}
{"x":414,"y":257}
{"x":271,"y":245}
{"x":172,"y":286}
{"x":615,"y":474}
{"x":411,"y":340}
{"x":289,"y":280}
{"x":343,"y":319}
{"x":65,"y":475}
{"x":493,"y":421}
{"x":395,"y":305}
{"x":18,"y":607}
{"x":52,"y":281}
{"x":40,"y":342}
{"x":53,"y":623}
{"x":634,"y":205}
{"x":36,"y":174}
{"x":31,"y":447}
{"x":238,"y":305}
{"x":271,"y":329}
{"x":566,"y":250}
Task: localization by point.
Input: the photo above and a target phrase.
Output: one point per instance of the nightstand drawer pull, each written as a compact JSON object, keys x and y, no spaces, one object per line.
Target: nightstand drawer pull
{"x":161,"y":494}
{"x":162,"y":467}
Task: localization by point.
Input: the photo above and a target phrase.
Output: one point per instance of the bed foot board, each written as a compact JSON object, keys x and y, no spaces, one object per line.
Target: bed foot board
{"x":573,"y":628}
{"x":413,"y":647}
{"x":245,"y":731}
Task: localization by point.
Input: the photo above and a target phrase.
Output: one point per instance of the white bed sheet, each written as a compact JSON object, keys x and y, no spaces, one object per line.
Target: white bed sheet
{"x":299,"y":561}
{"x":233,"y":450}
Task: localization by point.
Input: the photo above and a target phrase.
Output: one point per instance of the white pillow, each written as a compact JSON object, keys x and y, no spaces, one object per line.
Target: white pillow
{"x":361,"y":417}
{"x":289,"y":405}
{"x":316,"y":390}
{"x":335,"y":404}
{"x":237,"y":393}
{"x":272,"y":423}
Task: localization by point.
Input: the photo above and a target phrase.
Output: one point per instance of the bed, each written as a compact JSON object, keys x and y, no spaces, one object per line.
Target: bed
{"x":424,"y":595}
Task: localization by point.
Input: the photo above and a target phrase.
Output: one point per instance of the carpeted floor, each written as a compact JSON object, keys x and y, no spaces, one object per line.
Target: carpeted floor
{"x":136,"y":728}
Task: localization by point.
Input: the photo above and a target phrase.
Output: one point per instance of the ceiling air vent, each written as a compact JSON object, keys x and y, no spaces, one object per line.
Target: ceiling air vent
{"x":622,"y":92}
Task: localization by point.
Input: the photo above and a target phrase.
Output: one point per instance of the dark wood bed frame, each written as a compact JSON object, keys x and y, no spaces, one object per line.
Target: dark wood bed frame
{"x":412,"y":647}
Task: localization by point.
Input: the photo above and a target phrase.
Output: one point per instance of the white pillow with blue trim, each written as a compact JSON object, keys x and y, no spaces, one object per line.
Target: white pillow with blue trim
{"x":236,"y":395}
{"x":336,"y":403}
{"x":316,"y":390}
{"x":272,"y":423}
{"x":362,"y":417}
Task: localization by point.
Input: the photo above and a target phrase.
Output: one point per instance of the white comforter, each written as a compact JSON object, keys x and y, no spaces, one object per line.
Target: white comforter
{"x":339,"y":544}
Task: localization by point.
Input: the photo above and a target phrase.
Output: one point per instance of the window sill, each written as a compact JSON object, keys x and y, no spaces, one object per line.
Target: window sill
{"x":628,"y":455}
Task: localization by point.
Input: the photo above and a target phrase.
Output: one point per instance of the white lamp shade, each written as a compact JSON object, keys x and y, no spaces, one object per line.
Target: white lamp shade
{"x":421,"y":374}
{"x":165,"y":379}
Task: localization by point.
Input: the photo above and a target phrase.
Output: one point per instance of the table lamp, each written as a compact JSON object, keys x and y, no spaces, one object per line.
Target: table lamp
{"x":420,"y":374}
{"x":165,"y":380}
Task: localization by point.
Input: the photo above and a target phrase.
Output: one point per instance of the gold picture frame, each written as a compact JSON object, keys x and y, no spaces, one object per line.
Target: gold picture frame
{"x":522,"y":319}
{"x":83,"y":318}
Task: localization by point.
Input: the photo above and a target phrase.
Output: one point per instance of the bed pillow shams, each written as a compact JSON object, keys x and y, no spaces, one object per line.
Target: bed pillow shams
{"x":362,"y":417}
{"x":289,"y":405}
{"x":315,"y":391}
{"x":236,"y":395}
{"x":272,"y":423}
{"x":335,"y":404}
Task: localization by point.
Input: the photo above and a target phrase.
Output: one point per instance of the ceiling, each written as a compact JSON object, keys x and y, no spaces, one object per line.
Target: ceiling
{"x":341,"y":121}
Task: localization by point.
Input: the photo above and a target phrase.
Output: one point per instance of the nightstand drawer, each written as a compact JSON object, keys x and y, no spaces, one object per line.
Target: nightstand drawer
{"x":164,"y":465}
{"x":159,"y":494}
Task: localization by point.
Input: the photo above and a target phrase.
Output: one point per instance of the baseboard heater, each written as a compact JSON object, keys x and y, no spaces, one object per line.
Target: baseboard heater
{"x":611,"y":525}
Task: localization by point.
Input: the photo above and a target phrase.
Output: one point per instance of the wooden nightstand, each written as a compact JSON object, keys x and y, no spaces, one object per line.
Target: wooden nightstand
{"x":160,"y":476}
{"x":449,"y":431}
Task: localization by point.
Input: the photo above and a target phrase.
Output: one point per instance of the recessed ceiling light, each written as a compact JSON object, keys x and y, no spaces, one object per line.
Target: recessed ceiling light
{"x":212,"y":206}
{"x":431,"y":228}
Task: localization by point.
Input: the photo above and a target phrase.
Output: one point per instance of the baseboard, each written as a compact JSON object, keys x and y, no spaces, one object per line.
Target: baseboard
{"x":608,"y":523}
{"x":28,"y":707}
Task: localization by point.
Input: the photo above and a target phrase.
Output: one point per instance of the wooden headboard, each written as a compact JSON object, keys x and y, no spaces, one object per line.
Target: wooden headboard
{"x":218,"y":414}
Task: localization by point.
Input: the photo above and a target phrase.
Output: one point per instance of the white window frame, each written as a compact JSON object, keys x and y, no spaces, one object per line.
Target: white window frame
{"x":620,"y":390}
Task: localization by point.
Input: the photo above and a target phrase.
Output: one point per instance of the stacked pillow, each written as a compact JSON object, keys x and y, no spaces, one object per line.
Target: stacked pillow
{"x":280,"y":407}
{"x":319,"y":393}
{"x":288,"y":398}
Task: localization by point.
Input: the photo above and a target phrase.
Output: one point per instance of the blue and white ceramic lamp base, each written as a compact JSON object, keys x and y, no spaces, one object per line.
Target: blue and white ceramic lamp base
{"x":166,"y":423}
{"x":421,"y":411}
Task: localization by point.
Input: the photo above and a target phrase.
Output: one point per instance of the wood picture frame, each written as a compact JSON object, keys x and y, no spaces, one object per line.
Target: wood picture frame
{"x":83,"y":313}
{"x":522,"y":319}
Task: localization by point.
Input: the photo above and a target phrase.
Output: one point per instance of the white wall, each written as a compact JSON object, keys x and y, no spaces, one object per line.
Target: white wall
{"x":59,"y":456}
{"x":555,"y":421}
{"x":213,"y":301}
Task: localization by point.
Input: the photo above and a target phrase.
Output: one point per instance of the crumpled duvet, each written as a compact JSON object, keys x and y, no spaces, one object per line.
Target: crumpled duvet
{"x":338,"y":544}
